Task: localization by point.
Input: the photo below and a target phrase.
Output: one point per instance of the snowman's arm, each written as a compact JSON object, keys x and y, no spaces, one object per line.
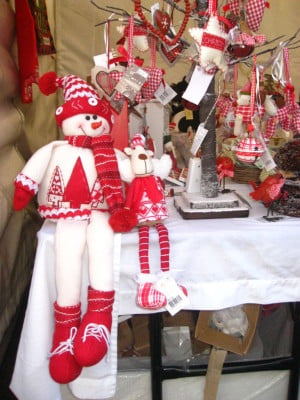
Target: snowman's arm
{"x":27,"y":181}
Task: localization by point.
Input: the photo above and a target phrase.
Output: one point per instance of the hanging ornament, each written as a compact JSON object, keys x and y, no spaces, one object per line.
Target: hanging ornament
{"x":211,"y":42}
{"x":242,"y":44}
{"x":157,"y":32}
{"x":248,"y":150}
{"x":162,"y":21}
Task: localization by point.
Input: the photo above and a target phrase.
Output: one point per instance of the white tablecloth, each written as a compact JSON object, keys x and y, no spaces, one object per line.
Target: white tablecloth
{"x":222,"y":263}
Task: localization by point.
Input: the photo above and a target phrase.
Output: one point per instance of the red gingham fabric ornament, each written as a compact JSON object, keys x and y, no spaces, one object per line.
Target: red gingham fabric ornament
{"x":254,"y":13}
{"x":152,"y":83}
{"x":246,"y":112}
{"x":248,"y":150}
{"x":282,"y":118}
{"x":234,"y":6}
{"x":250,"y":40}
{"x":224,"y":105}
{"x":155,"y":76}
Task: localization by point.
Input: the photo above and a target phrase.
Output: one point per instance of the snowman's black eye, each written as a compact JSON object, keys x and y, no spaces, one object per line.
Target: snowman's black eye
{"x":95,"y":117}
{"x":87,"y":117}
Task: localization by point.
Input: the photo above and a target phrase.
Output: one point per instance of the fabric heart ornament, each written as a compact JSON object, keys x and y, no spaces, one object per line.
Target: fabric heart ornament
{"x":254,"y":13}
{"x":171,"y":54}
{"x":152,"y":83}
{"x":162,"y":21}
{"x":105,"y":80}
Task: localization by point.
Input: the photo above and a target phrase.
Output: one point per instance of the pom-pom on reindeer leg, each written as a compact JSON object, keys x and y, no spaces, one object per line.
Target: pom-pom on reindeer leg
{"x":63,"y":366}
{"x":147,"y":296}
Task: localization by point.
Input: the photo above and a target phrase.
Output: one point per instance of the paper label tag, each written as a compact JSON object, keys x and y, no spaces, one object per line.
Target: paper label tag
{"x":198,"y":85}
{"x":165,"y":94}
{"x":176,"y":299}
{"x":198,"y":139}
{"x":267,"y":160}
{"x":132,"y":81}
{"x":101,"y":60}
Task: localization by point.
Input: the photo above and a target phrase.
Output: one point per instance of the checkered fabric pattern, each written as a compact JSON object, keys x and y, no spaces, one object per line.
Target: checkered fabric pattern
{"x":152,"y":83}
{"x":116,"y":76}
{"x":150,"y":298}
{"x":234,"y":6}
{"x":224,"y":105}
{"x":282,"y":118}
{"x":295,"y":120}
{"x":254,"y":13}
{"x":246,"y":112}
{"x":250,"y":40}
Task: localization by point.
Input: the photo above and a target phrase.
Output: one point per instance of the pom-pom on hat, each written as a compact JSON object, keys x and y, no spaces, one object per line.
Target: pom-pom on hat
{"x":138,"y":140}
{"x":79,"y":96}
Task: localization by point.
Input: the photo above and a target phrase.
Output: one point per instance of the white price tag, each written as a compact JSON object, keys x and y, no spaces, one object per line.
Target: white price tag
{"x":101,"y":60}
{"x":165,"y":94}
{"x":198,"y":139}
{"x":176,"y":299}
{"x":267,"y":160}
{"x":198,"y":85}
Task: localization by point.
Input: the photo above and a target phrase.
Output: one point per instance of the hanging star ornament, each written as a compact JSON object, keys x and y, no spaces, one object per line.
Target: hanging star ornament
{"x":211,"y":42}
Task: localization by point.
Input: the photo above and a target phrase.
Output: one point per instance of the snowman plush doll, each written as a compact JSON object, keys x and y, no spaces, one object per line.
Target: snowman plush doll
{"x":78,"y":185}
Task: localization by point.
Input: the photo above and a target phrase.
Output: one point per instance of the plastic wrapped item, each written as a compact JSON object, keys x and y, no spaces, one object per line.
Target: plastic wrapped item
{"x":177,"y":342}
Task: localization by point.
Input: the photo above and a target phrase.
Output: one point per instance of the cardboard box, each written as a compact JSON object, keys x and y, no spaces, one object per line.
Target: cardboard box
{"x":125,"y":338}
{"x":141,"y":335}
{"x":218,"y":339}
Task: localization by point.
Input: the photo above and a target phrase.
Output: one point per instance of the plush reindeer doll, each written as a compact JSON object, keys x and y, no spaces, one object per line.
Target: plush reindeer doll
{"x":145,"y":196}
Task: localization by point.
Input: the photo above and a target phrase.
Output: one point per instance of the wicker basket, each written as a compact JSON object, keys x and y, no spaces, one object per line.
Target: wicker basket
{"x":246,"y":173}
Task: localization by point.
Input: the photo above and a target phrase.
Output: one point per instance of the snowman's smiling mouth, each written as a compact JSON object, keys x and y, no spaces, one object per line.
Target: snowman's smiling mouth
{"x":83,"y":130}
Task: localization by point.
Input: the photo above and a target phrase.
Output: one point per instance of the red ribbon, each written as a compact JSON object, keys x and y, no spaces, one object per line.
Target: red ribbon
{"x":125,"y":57}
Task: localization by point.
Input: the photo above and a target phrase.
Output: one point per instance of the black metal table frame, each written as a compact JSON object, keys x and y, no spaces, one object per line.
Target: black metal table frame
{"x":159,"y":372}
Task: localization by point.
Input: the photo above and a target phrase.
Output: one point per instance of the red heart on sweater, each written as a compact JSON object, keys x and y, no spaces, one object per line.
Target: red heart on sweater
{"x":162,"y":21}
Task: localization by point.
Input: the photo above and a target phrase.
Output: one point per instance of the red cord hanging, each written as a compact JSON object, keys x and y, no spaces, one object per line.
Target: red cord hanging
{"x":156,"y":32}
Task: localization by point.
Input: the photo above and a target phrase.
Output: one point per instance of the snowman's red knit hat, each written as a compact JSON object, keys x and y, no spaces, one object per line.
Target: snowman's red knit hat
{"x":79,"y":96}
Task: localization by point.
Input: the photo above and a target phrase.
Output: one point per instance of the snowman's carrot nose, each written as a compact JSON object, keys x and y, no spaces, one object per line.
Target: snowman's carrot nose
{"x":96,"y":125}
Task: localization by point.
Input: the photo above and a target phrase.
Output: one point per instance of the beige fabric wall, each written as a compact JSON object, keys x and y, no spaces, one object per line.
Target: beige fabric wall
{"x":77,"y":40}
{"x":80,"y":39}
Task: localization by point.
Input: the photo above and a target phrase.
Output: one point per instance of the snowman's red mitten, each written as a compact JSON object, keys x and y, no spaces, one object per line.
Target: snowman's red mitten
{"x":63,"y":367}
{"x":93,"y":337}
{"x":25,"y":189}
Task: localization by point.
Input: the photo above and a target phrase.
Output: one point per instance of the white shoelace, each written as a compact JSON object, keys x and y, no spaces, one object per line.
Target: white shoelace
{"x":97,"y":331}
{"x":67,"y":345}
